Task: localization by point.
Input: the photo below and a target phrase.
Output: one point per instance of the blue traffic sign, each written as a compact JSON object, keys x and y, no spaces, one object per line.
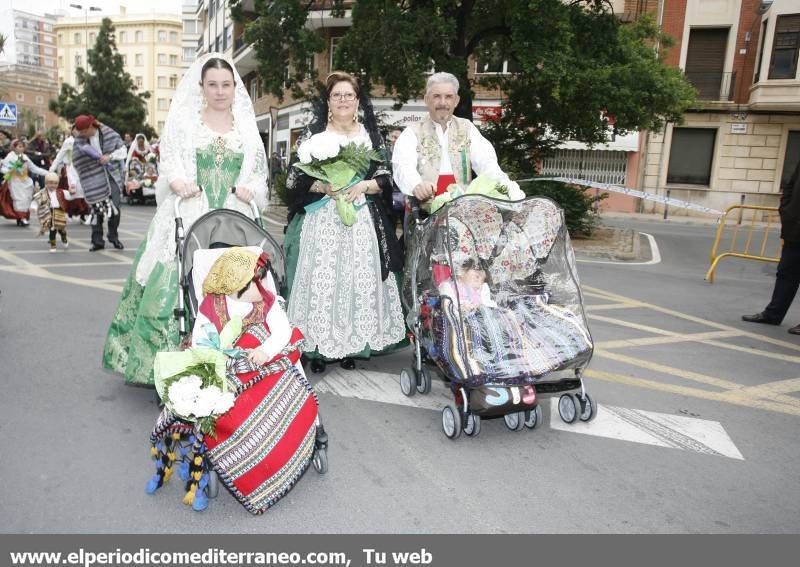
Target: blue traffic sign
{"x":8,"y":114}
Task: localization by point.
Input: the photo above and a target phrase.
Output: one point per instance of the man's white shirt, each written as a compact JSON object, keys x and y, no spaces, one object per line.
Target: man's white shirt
{"x":482,"y":156}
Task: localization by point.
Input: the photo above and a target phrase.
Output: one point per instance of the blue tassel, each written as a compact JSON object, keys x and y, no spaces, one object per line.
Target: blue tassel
{"x":200,"y":501}
{"x":183,"y":471}
{"x":203,"y":481}
{"x":152,"y":484}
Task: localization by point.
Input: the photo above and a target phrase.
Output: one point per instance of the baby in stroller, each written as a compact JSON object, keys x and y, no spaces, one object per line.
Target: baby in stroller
{"x":494,"y":301}
{"x":270,"y":433}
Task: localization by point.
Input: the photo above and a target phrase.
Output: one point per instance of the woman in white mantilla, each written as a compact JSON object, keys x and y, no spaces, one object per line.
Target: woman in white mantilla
{"x":343,"y":292}
{"x":210,"y":145}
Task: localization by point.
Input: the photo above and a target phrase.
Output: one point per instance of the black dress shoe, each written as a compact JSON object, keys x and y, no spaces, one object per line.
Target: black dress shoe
{"x":759,"y":318}
{"x":96,"y":247}
{"x":795,"y":330}
{"x":317,"y":366}
{"x":348,"y":364}
{"x":117,"y":244}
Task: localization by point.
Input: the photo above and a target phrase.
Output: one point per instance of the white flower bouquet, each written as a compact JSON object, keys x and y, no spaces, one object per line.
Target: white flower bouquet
{"x":151,"y":157}
{"x":192,"y":382}
{"x":341,"y":165}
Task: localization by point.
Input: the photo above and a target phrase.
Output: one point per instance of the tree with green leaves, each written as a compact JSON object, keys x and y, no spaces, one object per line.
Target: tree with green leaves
{"x":106,"y":90}
{"x":575,"y":68}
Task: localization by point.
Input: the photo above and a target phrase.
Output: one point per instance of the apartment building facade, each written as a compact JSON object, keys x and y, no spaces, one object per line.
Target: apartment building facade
{"x":28,"y":69}
{"x":190,"y":35}
{"x":151,"y":49}
{"x":741,"y":142}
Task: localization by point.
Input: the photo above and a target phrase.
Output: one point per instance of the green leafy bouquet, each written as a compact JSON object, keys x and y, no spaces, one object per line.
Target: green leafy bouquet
{"x":340,"y":165}
{"x":481,"y":185}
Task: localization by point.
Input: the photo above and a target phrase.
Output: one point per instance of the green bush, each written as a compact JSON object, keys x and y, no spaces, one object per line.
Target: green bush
{"x":279,"y":187}
{"x":578,"y":204}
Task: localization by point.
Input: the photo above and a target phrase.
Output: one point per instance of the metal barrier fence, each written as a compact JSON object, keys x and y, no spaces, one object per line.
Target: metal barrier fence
{"x":762,"y":222}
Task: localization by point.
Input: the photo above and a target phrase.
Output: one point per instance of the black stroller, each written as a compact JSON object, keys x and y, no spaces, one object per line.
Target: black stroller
{"x":493,"y":300}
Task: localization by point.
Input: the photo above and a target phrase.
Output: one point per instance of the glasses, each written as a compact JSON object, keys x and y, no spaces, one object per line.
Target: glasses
{"x":343,"y":96}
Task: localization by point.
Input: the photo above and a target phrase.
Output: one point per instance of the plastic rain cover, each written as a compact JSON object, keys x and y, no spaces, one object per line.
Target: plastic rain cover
{"x":492,"y":293}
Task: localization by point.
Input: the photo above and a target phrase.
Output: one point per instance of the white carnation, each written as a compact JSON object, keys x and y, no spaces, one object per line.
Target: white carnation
{"x":304,"y":152}
{"x":206,"y":401}
{"x":325,"y":146}
{"x":224,"y":403}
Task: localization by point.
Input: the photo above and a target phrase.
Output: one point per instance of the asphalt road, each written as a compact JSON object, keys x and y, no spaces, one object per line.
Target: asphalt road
{"x":697,"y":431}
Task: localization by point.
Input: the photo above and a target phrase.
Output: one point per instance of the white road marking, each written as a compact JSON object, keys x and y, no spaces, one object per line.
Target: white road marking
{"x":660,"y":429}
{"x":638,"y":426}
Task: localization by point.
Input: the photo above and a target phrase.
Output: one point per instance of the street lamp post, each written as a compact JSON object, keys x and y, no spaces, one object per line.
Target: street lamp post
{"x":86,"y":11}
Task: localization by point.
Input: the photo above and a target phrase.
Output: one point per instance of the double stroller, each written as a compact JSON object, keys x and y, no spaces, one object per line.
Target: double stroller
{"x":273,"y":432}
{"x":140,"y":180}
{"x":494,"y":302}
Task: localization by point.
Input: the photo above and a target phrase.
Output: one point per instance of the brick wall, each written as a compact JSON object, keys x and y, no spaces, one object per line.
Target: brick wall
{"x":744,"y":64}
{"x":673,"y":20}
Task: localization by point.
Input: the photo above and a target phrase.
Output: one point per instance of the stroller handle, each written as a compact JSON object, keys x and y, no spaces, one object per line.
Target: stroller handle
{"x":415,"y":204}
{"x":251,"y":202}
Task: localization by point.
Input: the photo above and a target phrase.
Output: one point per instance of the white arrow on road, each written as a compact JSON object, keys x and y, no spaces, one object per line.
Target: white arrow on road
{"x":651,"y":428}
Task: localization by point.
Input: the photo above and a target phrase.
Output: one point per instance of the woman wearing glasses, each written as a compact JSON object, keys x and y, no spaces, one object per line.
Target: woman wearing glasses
{"x":343,"y":294}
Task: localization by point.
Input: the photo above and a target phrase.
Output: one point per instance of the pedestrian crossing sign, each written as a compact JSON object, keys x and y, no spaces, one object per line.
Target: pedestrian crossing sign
{"x":8,"y":114}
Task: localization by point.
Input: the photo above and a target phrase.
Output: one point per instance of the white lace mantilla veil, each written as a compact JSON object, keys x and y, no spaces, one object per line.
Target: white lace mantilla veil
{"x":176,"y":144}
{"x":135,"y":147}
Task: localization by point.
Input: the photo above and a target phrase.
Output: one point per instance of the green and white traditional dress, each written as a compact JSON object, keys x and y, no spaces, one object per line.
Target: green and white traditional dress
{"x":143,"y":323}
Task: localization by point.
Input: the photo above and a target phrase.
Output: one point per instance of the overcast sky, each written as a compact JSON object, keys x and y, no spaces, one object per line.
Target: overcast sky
{"x":109,"y":7}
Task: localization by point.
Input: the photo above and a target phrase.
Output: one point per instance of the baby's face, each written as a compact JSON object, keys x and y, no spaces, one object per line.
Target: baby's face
{"x":51,"y":185}
{"x":251,"y":294}
{"x":473,"y":277}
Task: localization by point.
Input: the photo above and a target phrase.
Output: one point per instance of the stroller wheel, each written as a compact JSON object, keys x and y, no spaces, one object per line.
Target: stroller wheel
{"x":515,"y":421}
{"x":451,"y":421}
{"x":588,"y":407}
{"x":320,"y":461}
{"x":533,"y":417}
{"x":408,"y":383}
{"x":424,"y":382}
{"x":567,"y":408}
{"x":472,"y":425}
{"x":213,"y":484}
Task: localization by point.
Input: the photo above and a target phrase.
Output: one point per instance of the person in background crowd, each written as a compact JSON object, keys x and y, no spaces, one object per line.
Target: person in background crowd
{"x":5,"y":143}
{"x":127,"y":140}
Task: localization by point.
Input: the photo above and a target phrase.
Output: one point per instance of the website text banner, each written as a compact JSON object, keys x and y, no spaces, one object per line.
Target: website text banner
{"x":399,"y":550}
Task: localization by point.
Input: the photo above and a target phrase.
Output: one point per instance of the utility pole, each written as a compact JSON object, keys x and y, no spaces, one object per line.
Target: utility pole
{"x":86,"y":11}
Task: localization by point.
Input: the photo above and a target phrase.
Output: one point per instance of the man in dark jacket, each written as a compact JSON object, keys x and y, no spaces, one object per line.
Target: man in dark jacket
{"x":788,"y":276}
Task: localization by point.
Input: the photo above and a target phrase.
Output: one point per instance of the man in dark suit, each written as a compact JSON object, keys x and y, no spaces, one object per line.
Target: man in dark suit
{"x":788,"y":276}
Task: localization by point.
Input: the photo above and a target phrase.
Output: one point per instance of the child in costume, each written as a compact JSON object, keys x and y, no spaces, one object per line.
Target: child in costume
{"x":263,"y":444}
{"x":17,"y":168}
{"x":51,"y":213}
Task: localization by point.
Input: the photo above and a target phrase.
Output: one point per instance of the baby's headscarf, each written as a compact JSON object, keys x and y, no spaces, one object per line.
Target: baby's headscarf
{"x":234,"y":270}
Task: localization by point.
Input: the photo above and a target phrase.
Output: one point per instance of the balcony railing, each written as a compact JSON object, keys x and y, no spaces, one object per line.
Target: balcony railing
{"x":238,"y":44}
{"x":718,"y":87}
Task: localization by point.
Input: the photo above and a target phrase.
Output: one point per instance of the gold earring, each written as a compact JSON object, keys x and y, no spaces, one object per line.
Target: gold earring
{"x":355,"y":115}
{"x":330,"y":115}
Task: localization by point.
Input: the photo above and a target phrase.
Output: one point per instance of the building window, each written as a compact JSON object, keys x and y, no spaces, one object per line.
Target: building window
{"x":139,"y":36}
{"x":190,"y":26}
{"x":162,"y":83}
{"x":705,"y":62}
{"x":173,"y":59}
{"x":211,"y":8}
{"x":791,"y":160}
{"x":124,"y":60}
{"x":49,"y":51}
{"x":163,"y":104}
{"x":189,"y":54}
{"x":139,"y":82}
{"x":123,"y":37}
{"x":762,"y":40}
{"x":20,"y":97}
{"x":39,"y":99}
{"x":173,"y":81}
{"x":173,"y":37}
{"x":92,"y":37}
{"x":162,"y":59}
{"x":60,"y":60}
{"x":785,"y":47}
{"x":60,"y":38}
{"x":160,"y":125}
{"x":691,"y":155}
{"x":48,"y":27}
{"x":139,"y":59}
{"x":492,"y":62}
{"x":48,"y":61}
{"x":162,"y":36}
{"x":78,"y":61}
{"x":76,"y":38}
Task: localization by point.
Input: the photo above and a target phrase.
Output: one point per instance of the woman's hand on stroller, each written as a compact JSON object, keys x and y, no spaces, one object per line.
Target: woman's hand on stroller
{"x":245,"y":194}
{"x":257,"y":357}
{"x":424,"y":190}
{"x":184,"y":189}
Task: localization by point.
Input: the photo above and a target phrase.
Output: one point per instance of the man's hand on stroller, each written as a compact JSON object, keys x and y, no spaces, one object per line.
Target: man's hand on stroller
{"x":424,"y":190}
{"x":257,"y":357}
{"x":184,"y":189}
